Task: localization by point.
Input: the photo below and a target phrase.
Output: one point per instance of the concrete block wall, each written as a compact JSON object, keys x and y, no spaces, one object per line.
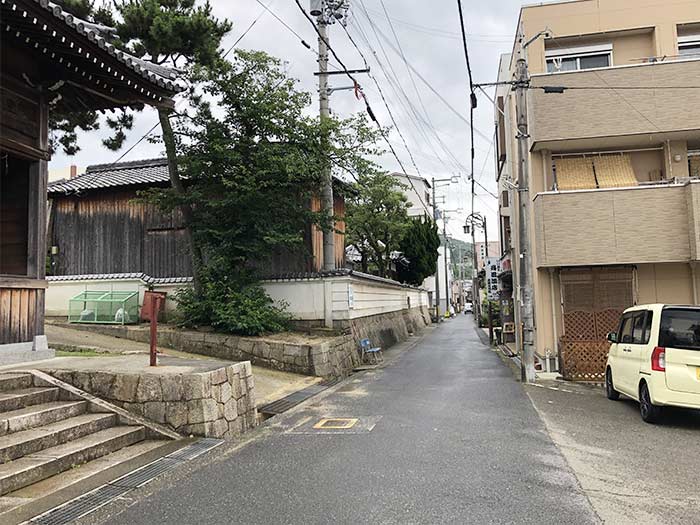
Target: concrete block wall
{"x":219,"y":403}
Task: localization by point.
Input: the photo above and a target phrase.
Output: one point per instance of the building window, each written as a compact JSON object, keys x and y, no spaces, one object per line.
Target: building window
{"x":689,"y":46}
{"x":14,"y":215}
{"x":504,"y":199}
{"x":579,"y":58}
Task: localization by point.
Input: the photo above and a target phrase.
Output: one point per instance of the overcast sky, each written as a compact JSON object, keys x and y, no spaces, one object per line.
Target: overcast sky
{"x":428,"y":33}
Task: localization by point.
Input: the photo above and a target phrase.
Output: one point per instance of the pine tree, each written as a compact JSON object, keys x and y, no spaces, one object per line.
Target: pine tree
{"x":419,"y":247}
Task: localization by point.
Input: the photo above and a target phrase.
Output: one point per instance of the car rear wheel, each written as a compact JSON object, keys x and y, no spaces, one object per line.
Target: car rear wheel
{"x":650,"y":412}
{"x":610,"y":391}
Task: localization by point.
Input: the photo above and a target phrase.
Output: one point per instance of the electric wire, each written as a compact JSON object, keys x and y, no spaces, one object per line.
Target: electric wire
{"x":419,"y":121}
{"x":370,"y":111}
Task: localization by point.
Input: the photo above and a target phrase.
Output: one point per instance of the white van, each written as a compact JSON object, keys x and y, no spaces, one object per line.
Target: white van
{"x":654,"y":358}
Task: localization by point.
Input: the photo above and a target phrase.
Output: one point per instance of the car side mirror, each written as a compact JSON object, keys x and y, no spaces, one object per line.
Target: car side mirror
{"x":612,"y":337}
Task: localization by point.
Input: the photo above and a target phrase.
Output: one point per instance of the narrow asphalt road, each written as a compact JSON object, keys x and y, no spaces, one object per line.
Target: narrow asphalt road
{"x":444,"y":435}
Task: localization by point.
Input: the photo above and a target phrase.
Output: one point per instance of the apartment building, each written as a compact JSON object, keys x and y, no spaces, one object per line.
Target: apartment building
{"x":481,"y":254}
{"x":614,"y":167}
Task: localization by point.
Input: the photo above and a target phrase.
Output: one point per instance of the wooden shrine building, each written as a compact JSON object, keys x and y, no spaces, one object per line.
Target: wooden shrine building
{"x":49,"y":61}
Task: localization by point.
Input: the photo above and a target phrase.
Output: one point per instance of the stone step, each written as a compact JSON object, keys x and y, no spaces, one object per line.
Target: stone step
{"x":25,"y":503}
{"x":49,"y":462}
{"x":24,"y":397}
{"x":15,"y":381}
{"x":37,"y":415}
{"x":36,"y":439}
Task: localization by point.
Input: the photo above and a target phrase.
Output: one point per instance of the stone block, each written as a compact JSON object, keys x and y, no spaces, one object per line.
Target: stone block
{"x":195,"y":412}
{"x":172,"y":387}
{"x":231,"y":410}
{"x":176,"y":414}
{"x":226,"y":392}
{"x":276,"y":351}
{"x":232,"y":373}
{"x":238,"y":386}
{"x":124,"y":387}
{"x":245,"y":346}
{"x":134,"y":408}
{"x":216,"y":429}
{"x":218,"y":376}
{"x":242,"y":405}
{"x":210,"y":409}
{"x":216,"y":393}
{"x":196,"y":386}
{"x":149,"y":388}
{"x":155,"y":411}
{"x":81,"y":380}
{"x":197,"y":429}
{"x":262,"y":349}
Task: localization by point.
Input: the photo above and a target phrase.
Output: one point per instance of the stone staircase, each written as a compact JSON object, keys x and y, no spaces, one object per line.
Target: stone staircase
{"x":46,"y":432}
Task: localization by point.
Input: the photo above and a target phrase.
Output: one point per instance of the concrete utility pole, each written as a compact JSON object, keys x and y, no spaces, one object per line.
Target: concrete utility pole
{"x":437,"y":266}
{"x":525,"y":262}
{"x":448,"y":292}
{"x":327,"y":207}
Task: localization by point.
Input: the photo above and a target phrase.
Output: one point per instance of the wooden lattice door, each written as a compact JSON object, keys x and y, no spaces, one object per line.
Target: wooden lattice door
{"x":592,"y":300}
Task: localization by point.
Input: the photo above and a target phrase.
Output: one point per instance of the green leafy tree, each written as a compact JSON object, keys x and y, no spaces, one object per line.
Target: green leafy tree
{"x":377,"y":219}
{"x":251,"y":158}
{"x":419,"y":248}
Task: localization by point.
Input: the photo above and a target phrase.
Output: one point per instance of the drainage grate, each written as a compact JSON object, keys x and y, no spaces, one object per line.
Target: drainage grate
{"x":90,"y":502}
{"x":292,"y":400}
{"x":147,"y":473}
{"x":196,"y":449}
{"x":80,"y":506}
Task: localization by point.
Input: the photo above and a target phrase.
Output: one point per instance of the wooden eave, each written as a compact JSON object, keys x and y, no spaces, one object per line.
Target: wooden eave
{"x":85,"y":72}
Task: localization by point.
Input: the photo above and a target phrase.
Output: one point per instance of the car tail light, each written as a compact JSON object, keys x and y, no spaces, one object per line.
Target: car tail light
{"x":658,"y":359}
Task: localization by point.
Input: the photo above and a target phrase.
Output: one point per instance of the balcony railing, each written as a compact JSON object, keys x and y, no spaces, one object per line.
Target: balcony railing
{"x":641,"y":224}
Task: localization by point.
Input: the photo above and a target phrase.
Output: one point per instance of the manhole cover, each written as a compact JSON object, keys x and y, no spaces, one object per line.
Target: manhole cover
{"x":336,"y":423}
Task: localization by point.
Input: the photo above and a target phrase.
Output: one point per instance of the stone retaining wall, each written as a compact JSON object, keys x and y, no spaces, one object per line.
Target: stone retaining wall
{"x":331,"y":356}
{"x":219,"y":403}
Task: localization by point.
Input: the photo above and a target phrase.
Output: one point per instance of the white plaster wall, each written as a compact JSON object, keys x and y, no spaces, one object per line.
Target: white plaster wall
{"x":304,"y":299}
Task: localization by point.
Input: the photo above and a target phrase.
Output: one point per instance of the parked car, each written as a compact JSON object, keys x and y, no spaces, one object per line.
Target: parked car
{"x":654,"y":358}
{"x":468,"y":308}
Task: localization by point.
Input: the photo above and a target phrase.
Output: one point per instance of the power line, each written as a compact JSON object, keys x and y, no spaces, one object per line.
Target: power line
{"x":386,"y":104}
{"x":400,"y":91}
{"x":403,"y":99}
{"x":303,"y":42}
{"x":430,"y":86}
{"x":370,"y":112}
{"x":249,"y":27}
{"x":430,"y":124}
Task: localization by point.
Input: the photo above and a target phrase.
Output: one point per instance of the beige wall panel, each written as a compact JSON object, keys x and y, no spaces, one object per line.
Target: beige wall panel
{"x":693,"y":202}
{"x":651,"y":225}
{"x":665,"y":283}
{"x":576,"y":229}
{"x":578,"y":114}
{"x":612,"y":227}
{"x":646,"y":284}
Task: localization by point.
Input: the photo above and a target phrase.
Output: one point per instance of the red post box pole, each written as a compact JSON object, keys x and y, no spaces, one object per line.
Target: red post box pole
{"x":155,"y":307}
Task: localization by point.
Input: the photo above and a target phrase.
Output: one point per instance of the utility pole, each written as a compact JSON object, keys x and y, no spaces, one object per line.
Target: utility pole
{"x":488,"y":291}
{"x":437,"y":266}
{"x":447,"y":275}
{"x":327,"y":207}
{"x":525,"y":260}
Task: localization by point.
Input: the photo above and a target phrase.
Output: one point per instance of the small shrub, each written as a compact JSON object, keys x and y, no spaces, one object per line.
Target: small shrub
{"x":243,"y":310}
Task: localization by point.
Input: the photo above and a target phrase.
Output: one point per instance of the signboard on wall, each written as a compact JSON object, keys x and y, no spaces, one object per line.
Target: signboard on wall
{"x":493,"y":269}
